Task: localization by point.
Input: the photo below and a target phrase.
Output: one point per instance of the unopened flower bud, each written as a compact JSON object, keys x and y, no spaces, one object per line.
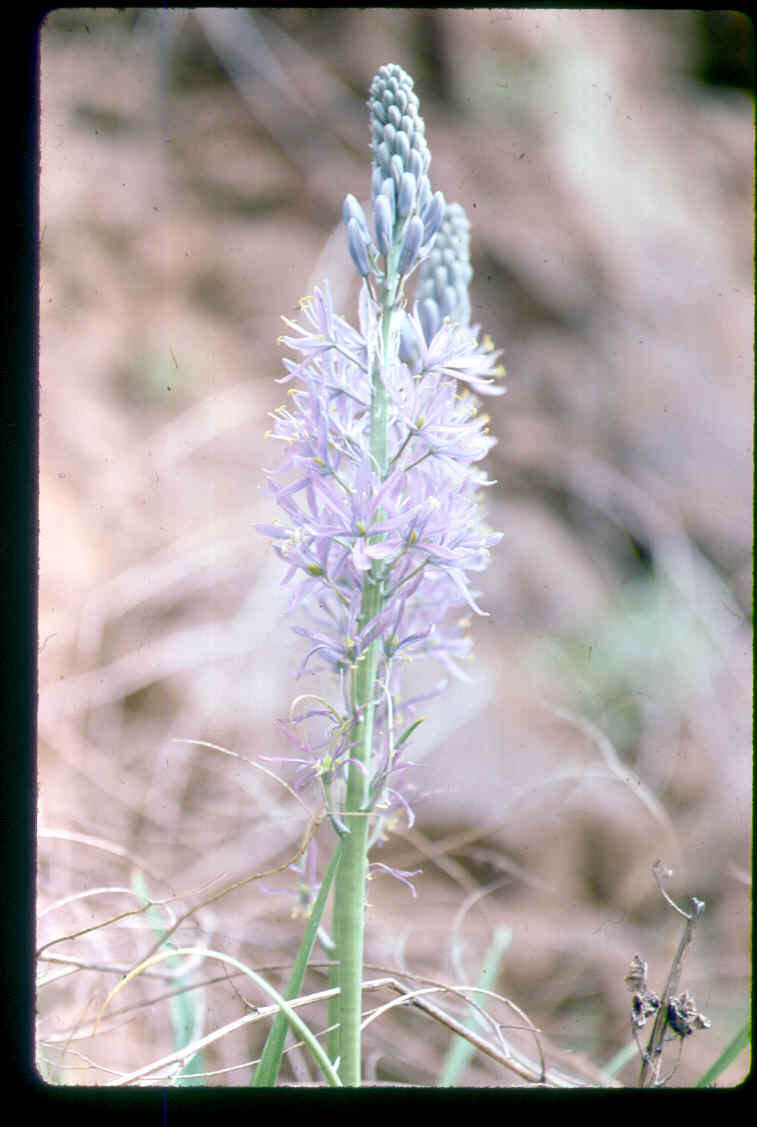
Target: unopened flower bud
{"x":408,"y":345}
{"x":376,"y":181}
{"x":415,"y":164}
{"x":357,"y":248}
{"x":424,"y":194}
{"x":406,"y":195}
{"x":429,"y":317}
{"x":383,"y":156}
{"x":447,"y":301}
{"x":351,"y":209}
{"x":382,"y":222}
{"x":402,"y":147}
{"x":432,"y":216}
{"x":388,"y":189}
{"x":411,"y":244}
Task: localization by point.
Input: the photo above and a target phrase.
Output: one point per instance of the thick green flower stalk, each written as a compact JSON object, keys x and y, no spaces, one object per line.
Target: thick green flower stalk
{"x":380,"y":493}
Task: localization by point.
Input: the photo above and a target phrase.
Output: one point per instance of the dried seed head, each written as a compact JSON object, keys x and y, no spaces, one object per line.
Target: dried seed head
{"x":683,"y":1016}
{"x":636,"y":979}
{"x":644,"y":1004}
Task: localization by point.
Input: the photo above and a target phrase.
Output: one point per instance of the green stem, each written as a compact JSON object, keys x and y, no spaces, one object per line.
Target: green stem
{"x":349,"y":898}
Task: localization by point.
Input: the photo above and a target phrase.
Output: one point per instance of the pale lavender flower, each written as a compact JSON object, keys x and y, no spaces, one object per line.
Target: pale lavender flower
{"x":399,"y":874}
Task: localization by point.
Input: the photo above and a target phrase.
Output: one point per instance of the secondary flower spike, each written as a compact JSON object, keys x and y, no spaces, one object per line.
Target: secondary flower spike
{"x":446,"y":273}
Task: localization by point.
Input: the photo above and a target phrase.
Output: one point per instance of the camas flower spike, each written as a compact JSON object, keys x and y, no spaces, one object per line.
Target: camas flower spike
{"x":379,"y":489}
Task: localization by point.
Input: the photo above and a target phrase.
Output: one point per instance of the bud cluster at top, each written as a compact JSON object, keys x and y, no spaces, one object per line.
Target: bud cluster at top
{"x":398,"y":140}
{"x":406,"y":215}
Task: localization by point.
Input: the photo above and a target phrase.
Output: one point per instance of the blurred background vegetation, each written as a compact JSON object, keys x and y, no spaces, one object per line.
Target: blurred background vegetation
{"x":193,"y":167}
